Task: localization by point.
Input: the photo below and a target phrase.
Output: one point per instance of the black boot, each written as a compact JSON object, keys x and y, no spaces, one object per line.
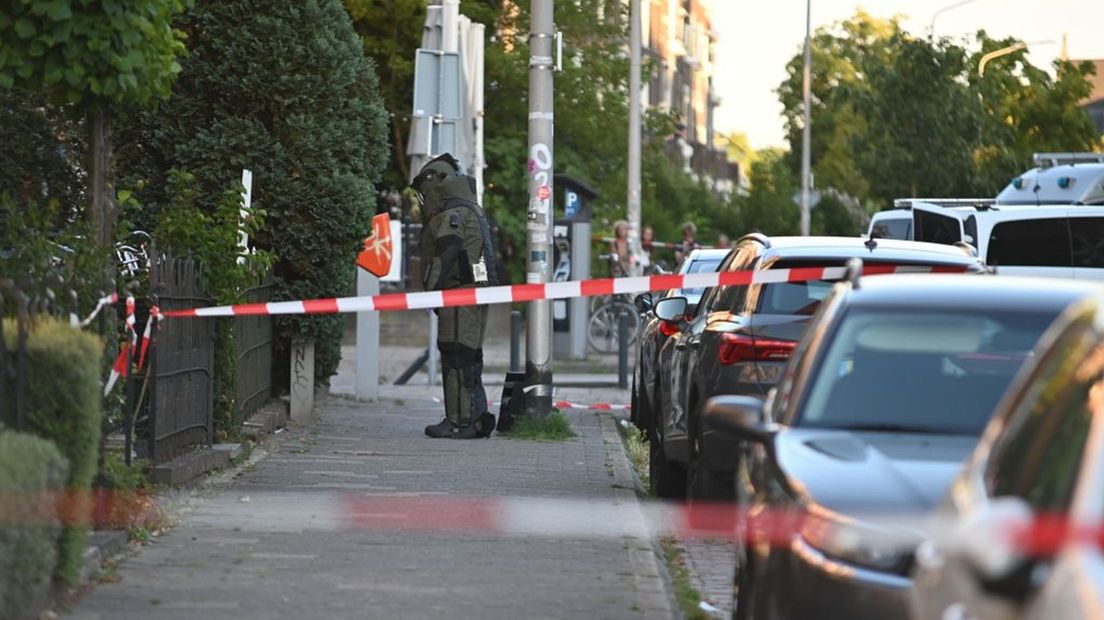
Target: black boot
{"x":440,"y":430}
{"x":485,"y":424}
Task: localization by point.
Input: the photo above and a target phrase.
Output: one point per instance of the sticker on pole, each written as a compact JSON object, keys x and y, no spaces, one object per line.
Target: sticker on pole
{"x":376,"y":256}
{"x":544,"y":192}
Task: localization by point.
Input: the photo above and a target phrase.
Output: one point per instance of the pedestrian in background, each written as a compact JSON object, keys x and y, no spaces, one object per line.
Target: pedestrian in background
{"x":723,"y":242}
{"x":458,"y":253}
{"x":647,"y":243}
{"x":689,"y":241}
{"x":619,"y":247}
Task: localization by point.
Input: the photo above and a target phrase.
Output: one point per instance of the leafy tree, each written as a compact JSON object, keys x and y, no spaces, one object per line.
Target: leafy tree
{"x":286,"y":91}
{"x":96,"y":55}
{"x":922,"y":121}
{"x":839,"y":53}
{"x":391,"y":30}
{"x":1027,"y":110}
{"x":769,"y":207}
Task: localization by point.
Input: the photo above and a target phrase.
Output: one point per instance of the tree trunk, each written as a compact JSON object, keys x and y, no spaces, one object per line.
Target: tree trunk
{"x":101,"y":178}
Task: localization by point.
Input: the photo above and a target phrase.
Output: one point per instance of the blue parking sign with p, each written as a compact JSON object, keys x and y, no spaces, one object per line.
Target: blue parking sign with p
{"x":571,"y":204}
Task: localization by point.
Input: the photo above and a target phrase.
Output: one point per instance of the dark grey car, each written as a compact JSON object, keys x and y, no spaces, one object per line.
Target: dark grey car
{"x":874,"y":414}
{"x":653,"y":332}
{"x":741,"y":336}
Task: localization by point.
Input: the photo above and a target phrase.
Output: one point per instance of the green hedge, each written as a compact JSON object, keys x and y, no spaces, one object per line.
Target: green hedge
{"x":29,"y":468}
{"x":64,"y":405}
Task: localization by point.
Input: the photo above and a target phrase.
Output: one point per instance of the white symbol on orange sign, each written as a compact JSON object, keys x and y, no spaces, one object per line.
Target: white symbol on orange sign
{"x":376,"y":257}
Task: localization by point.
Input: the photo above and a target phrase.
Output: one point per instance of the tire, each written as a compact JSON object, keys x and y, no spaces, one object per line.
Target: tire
{"x":702,"y":483}
{"x":602,"y":326}
{"x":667,"y":479}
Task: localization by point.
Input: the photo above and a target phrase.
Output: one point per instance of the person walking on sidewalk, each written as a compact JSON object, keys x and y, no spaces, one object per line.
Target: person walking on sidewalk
{"x":457,"y":252}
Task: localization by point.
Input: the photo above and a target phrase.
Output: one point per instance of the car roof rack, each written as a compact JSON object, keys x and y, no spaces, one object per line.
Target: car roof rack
{"x":977,"y":203}
{"x":1049,"y":160}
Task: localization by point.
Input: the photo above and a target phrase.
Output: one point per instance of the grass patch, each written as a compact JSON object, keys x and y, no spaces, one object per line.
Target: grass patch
{"x":636,"y":446}
{"x":553,"y":428}
{"x":687,"y":596}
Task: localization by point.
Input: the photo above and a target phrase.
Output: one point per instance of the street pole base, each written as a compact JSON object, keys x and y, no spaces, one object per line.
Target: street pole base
{"x":537,"y":392}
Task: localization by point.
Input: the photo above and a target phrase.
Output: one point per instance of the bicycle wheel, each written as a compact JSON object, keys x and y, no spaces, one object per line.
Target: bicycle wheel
{"x":602,"y":327}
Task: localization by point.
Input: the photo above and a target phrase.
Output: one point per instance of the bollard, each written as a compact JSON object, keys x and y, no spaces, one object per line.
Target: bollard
{"x":515,"y":341}
{"x":623,"y":351}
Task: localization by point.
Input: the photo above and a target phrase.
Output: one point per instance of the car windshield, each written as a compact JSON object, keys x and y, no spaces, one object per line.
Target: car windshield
{"x":916,"y":371}
{"x":702,"y":265}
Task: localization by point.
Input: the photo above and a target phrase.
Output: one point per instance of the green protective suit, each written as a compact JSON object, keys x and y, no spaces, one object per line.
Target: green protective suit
{"x":457,"y":252}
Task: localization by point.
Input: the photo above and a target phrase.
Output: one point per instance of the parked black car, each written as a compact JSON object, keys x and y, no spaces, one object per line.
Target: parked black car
{"x":874,"y":414}
{"x":739,"y":338}
{"x":654,"y":331}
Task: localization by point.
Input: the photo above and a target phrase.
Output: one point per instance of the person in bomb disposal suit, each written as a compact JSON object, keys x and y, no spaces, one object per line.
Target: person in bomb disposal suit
{"x":457,"y":252}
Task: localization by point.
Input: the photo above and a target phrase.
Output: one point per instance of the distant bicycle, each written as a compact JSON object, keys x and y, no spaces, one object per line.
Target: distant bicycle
{"x":605,"y":312}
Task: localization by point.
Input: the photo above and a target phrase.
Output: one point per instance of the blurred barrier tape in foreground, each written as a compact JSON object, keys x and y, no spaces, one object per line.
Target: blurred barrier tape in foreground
{"x":584,"y":518}
{"x":552,"y":290}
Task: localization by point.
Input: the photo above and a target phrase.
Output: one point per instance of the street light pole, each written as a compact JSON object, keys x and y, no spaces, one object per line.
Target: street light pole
{"x":806,"y":131}
{"x":935,"y":15}
{"x":538,"y":368}
{"x":633,"y":202}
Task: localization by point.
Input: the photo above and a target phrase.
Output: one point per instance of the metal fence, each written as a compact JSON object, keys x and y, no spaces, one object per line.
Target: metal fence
{"x":253,"y":355}
{"x":181,"y":407}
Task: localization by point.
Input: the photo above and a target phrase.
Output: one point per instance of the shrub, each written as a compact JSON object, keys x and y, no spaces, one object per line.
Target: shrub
{"x":30,"y":468}
{"x":63,"y":404}
{"x":285,"y":90}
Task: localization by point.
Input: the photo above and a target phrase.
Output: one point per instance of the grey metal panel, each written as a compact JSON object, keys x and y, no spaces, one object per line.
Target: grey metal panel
{"x":437,"y":84}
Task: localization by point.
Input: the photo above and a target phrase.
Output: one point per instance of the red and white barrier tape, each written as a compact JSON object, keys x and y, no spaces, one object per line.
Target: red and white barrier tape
{"x":566,"y":404}
{"x":119,"y":368}
{"x":100,"y":304}
{"x":552,"y":290}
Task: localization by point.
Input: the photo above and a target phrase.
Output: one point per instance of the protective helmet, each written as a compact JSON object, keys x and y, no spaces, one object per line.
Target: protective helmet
{"x":427,"y":182}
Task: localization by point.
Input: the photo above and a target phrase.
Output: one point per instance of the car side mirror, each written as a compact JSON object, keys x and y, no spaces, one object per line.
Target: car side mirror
{"x":643,"y":302}
{"x":740,"y":417}
{"x":991,"y":545}
{"x":671,"y":309}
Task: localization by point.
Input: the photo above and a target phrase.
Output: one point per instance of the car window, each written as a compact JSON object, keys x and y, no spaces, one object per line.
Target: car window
{"x":936,"y":228}
{"x":730,"y":298}
{"x":704,"y":265}
{"x":921,"y":371}
{"x":897,"y":228}
{"x":1039,"y":453}
{"x":793,"y":297}
{"x":1041,"y":242}
{"x":1087,"y":236}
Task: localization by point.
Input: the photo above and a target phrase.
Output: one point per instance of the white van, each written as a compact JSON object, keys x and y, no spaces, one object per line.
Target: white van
{"x":1048,"y":221}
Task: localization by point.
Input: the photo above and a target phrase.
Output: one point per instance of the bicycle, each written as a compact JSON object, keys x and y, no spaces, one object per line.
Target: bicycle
{"x":605,"y":313}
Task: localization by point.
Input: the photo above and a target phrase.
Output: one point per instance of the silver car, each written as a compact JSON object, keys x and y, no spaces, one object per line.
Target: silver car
{"x":1018,"y":535}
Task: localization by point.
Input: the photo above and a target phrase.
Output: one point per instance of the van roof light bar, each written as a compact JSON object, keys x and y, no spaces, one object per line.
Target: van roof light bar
{"x":1049,"y":160}
{"x":977,"y":203}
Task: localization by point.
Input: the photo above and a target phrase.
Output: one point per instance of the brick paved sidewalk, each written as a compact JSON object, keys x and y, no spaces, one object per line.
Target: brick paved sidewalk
{"x":239,"y":554}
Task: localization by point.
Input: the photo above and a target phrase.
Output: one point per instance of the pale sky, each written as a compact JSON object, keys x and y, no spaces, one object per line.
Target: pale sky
{"x":757,"y":39}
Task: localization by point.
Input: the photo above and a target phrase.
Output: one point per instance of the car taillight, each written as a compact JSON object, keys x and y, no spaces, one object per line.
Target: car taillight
{"x":737,"y":348}
{"x":668,"y":329}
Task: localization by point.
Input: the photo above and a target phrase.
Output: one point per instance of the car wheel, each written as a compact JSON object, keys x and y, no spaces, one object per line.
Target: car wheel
{"x":667,"y":479}
{"x":702,"y":482}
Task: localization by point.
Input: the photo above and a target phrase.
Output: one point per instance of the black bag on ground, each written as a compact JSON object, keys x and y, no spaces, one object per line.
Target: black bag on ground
{"x":512,"y":402}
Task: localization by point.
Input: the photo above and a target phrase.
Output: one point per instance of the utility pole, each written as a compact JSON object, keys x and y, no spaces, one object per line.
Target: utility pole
{"x":633,"y":202}
{"x":538,"y":369}
{"x":806,"y":131}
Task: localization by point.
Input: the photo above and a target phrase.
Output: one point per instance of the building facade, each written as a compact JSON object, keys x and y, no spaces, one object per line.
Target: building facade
{"x":1094,"y":103}
{"x":679,"y":41}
